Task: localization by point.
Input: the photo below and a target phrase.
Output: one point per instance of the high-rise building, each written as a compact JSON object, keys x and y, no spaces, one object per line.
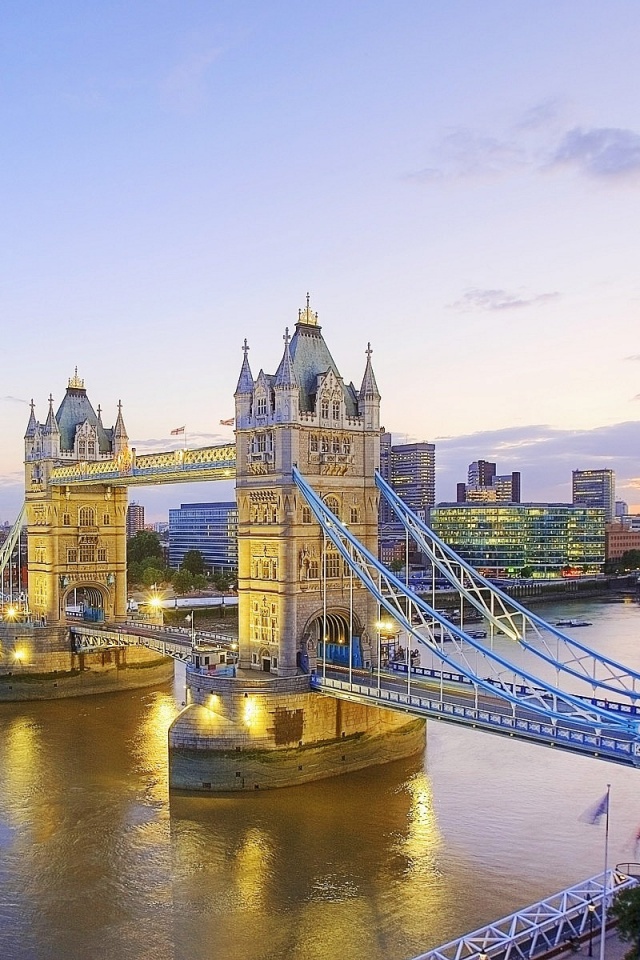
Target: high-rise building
{"x":135,"y":519}
{"x":485,"y":486}
{"x":413,"y":475}
{"x":595,"y":488}
{"x":211,"y":528}
{"x":622,"y":508}
{"x":410,"y":469}
{"x":502,"y":540}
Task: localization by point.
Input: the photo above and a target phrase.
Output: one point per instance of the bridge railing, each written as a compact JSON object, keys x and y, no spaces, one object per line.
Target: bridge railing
{"x":567,"y":735}
{"x":540,"y":928}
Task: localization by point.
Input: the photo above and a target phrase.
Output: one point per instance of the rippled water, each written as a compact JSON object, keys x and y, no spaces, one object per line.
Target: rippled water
{"x":97,"y":862}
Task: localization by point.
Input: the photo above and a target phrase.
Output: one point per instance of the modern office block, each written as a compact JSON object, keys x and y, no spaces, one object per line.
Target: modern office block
{"x":135,"y":519}
{"x":595,"y":488}
{"x":211,"y":528}
{"x":502,"y":540}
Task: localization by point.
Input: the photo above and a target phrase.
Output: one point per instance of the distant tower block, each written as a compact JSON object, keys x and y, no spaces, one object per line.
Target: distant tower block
{"x":77,"y":535}
{"x":304,"y":415}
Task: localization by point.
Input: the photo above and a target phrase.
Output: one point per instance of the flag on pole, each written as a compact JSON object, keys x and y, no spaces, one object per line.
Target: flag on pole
{"x":227,"y":423}
{"x":595,"y":813}
{"x":177,"y":431}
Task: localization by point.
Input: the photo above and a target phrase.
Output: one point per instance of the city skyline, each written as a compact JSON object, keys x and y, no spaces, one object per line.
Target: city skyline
{"x":457,"y":186}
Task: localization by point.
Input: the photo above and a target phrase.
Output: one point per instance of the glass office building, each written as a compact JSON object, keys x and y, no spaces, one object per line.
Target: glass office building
{"x":548,"y":539}
{"x":211,"y":528}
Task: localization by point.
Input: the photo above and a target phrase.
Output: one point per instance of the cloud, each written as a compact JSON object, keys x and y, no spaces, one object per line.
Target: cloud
{"x":637,"y":396}
{"x":605,"y":152}
{"x":499,"y":300}
{"x":466,"y":153}
{"x":634,"y":356}
{"x":545,"y":456}
{"x":10,"y":399}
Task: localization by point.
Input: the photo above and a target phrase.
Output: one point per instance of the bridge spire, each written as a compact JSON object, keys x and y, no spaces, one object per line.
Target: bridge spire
{"x":245,"y":380}
{"x":369,"y":389}
{"x":120,"y":437}
{"x":32,"y":426}
{"x":307,"y":315}
{"x":285,"y":374}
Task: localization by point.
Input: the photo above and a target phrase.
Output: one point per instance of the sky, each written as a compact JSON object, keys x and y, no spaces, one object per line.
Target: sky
{"x":457,"y":183}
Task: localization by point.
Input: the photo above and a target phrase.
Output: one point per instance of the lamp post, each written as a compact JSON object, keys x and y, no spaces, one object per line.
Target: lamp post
{"x":591,"y":909}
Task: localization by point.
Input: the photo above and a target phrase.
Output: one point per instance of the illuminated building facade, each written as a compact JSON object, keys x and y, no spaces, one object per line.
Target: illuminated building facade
{"x":211,"y":528}
{"x":595,"y":488}
{"x":502,"y":540}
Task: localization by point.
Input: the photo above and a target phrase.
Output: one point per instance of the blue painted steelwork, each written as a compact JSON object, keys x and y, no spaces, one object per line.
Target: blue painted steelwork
{"x":9,"y":545}
{"x":429,"y":627}
{"x":509,"y":618}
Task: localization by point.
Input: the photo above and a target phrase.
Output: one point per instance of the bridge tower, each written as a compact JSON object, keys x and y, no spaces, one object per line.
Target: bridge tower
{"x":76,"y":534}
{"x":265,"y":727}
{"x":304,"y":415}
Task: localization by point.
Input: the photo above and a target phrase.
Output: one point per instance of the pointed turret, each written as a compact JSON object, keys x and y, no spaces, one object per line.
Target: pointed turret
{"x":287,"y":392}
{"x":32,"y":426}
{"x":369,"y":396}
{"x":51,"y":433}
{"x":369,"y":389}
{"x":120,"y":438}
{"x":245,"y":380}
{"x":244,"y":390}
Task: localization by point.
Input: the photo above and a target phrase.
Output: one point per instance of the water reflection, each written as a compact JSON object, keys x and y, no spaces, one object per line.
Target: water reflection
{"x":98,"y":861}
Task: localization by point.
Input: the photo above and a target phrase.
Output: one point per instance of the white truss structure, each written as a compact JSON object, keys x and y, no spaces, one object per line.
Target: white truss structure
{"x":559,"y":920}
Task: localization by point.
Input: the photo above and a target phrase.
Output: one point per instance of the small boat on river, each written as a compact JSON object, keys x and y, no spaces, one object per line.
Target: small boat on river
{"x":573,"y":623}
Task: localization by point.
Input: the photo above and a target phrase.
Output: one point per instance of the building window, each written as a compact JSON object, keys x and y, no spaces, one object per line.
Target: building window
{"x":353,"y":515}
{"x":333,"y":565}
{"x":333,"y":505}
{"x":324,"y":445}
{"x":313,"y":443}
{"x":86,"y":517}
{"x":306,"y":514}
{"x":72,"y":556}
{"x":91,"y":448}
{"x":312,"y":570}
{"x":102,"y":555}
{"x":335,"y":445}
{"x":346,"y":446}
{"x":336,"y":409}
{"x":261,"y":406}
{"x":324,"y":409}
{"x":106,"y":520}
{"x":66,"y":520}
{"x":87,"y":553}
{"x":82,"y":448}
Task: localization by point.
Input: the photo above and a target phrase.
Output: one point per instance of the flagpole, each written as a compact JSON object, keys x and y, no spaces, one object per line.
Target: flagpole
{"x":603,"y":928}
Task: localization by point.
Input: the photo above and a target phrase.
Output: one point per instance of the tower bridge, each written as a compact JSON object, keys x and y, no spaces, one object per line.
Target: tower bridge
{"x":312,"y":592}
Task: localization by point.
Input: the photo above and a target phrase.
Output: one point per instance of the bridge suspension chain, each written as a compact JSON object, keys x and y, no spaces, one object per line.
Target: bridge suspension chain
{"x":431,"y":629}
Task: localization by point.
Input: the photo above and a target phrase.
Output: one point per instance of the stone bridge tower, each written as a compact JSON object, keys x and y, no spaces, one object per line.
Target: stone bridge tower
{"x":76,"y":534}
{"x":304,"y":415}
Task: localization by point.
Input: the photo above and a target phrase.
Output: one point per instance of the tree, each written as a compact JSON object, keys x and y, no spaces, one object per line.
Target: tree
{"x":145,"y":544}
{"x":626,"y":910}
{"x":183,"y":581}
{"x":630,"y":560}
{"x":193,"y":561}
{"x":396,"y":566}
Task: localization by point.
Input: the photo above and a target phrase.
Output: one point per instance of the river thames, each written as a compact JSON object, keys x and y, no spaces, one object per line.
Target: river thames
{"x":97,"y":861}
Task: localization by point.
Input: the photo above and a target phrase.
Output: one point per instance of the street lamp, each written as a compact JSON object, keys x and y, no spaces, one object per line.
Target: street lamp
{"x":591,"y":909}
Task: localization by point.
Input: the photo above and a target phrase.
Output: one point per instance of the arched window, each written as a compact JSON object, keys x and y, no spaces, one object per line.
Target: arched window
{"x":354,"y":515}
{"x":335,"y":409}
{"x":324,"y":409}
{"x":333,"y":505}
{"x":86,"y":517}
{"x":306,"y":514}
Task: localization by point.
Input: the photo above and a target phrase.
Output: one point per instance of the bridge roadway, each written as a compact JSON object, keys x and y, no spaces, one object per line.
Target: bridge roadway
{"x":170,"y":641}
{"x":452,"y":698}
{"x":430,"y":694}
